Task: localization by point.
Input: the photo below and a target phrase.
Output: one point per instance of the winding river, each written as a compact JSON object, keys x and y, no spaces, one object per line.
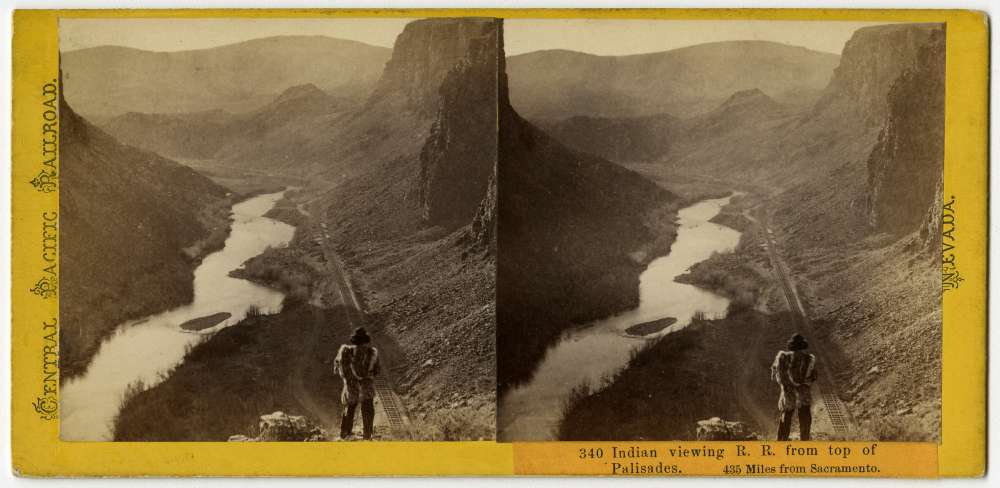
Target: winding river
{"x":146,"y":350}
{"x":590,"y":355}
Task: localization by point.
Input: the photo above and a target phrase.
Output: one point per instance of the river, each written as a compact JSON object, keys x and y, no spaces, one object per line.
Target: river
{"x":588,"y":356}
{"x":147,"y":349}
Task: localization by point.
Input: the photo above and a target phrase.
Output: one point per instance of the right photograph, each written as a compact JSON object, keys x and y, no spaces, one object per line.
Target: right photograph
{"x":720,"y":230}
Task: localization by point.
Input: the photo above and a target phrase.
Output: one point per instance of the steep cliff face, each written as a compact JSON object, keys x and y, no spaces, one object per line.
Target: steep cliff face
{"x":867,"y":291}
{"x":413,"y":211}
{"x":484,"y":224}
{"x":423,"y":55}
{"x":569,"y":222}
{"x":459,"y":157}
{"x":830,"y":150}
{"x":133,"y":226}
{"x":872,"y":60}
{"x":755,"y":136}
{"x":905,"y":167}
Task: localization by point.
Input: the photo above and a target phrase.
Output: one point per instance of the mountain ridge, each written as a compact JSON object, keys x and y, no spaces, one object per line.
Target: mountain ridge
{"x":689,"y":80}
{"x":231,"y":45}
{"x":106,"y":81}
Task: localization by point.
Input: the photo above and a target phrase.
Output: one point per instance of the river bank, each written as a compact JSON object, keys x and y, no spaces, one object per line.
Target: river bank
{"x":142,"y":352}
{"x":584,"y":358}
{"x":689,"y":375}
{"x":579,"y":284}
{"x":152,"y":290}
{"x":225,"y":384}
{"x":696,"y":373}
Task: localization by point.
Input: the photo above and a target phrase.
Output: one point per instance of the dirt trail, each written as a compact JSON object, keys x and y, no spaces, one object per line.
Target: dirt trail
{"x":322,"y":413}
{"x":745,"y":385}
{"x":391,"y":418}
{"x":831,"y":418}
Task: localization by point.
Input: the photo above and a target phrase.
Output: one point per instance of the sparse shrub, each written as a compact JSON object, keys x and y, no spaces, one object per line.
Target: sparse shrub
{"x":254,"y":312}
{"x":132,"y":390}
{"x":890,"y":429}
{"x":452,"y":425}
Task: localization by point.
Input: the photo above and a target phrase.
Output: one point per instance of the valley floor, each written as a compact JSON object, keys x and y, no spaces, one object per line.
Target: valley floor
{"x":284,"y":362}
{"x":720,"y":368}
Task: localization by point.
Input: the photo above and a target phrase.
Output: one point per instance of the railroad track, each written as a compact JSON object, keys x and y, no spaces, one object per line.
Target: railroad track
{"x":387,"y":401}
{"x":392,"y":406}
{"x":840,"y":418}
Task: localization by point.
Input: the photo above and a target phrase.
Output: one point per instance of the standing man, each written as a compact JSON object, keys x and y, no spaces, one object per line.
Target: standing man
{"x":795,"y":371}
{"x":357,"y":364}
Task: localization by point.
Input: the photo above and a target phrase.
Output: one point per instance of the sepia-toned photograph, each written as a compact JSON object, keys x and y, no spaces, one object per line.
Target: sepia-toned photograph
{"x":278,"y":229}
{"x":393,"y":229}
{"x":480,"y":242}
{"x":720,"y":230}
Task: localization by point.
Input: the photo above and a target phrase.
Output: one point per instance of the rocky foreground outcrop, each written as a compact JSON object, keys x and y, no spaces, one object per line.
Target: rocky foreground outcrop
{"x":716,"y":429}
{"x":281,"y":427}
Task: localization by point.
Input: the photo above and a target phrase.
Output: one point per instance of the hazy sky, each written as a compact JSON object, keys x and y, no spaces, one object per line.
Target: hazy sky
{"x":184,"y":34}
{"x":614,"y":37}
{"x":618,"y":37}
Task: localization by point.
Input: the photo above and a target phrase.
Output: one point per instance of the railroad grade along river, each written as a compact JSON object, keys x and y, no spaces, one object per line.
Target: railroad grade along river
{"x":147,"y":348}
{"x":591,"y":354}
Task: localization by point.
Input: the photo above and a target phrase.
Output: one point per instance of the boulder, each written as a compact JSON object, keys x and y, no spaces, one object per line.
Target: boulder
{"x":281,"y":427}
{"x":716,"y":429}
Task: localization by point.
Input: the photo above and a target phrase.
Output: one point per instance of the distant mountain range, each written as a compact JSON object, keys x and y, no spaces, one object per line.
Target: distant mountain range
{"x":107,"y":81}
{"x":277,"y":136}
{"x":682,"y":82}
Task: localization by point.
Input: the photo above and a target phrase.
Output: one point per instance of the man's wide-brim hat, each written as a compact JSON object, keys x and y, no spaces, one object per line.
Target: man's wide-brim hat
{"x":360,"y":336}
{"x":797,"y":342}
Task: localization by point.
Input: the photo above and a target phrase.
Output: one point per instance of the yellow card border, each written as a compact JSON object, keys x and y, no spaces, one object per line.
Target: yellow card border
{"x":37,"y":450}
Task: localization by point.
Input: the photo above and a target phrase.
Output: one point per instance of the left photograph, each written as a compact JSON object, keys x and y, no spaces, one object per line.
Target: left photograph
{"x":278,"y":229}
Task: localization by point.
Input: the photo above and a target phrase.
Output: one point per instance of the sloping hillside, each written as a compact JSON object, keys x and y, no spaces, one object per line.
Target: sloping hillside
{"x":415,"y":220}
{"x":855,"y":208}
{"x":575,"y":229}
{"x":418,"y":243}
{"x":133,"y":227}
{"x":683,"y":82}
{"x":108,"y":81}
{"x":828,"y":151}
{"x":289,"y":134}
{"x":881,"y":298}
{"x":621,"y":139}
